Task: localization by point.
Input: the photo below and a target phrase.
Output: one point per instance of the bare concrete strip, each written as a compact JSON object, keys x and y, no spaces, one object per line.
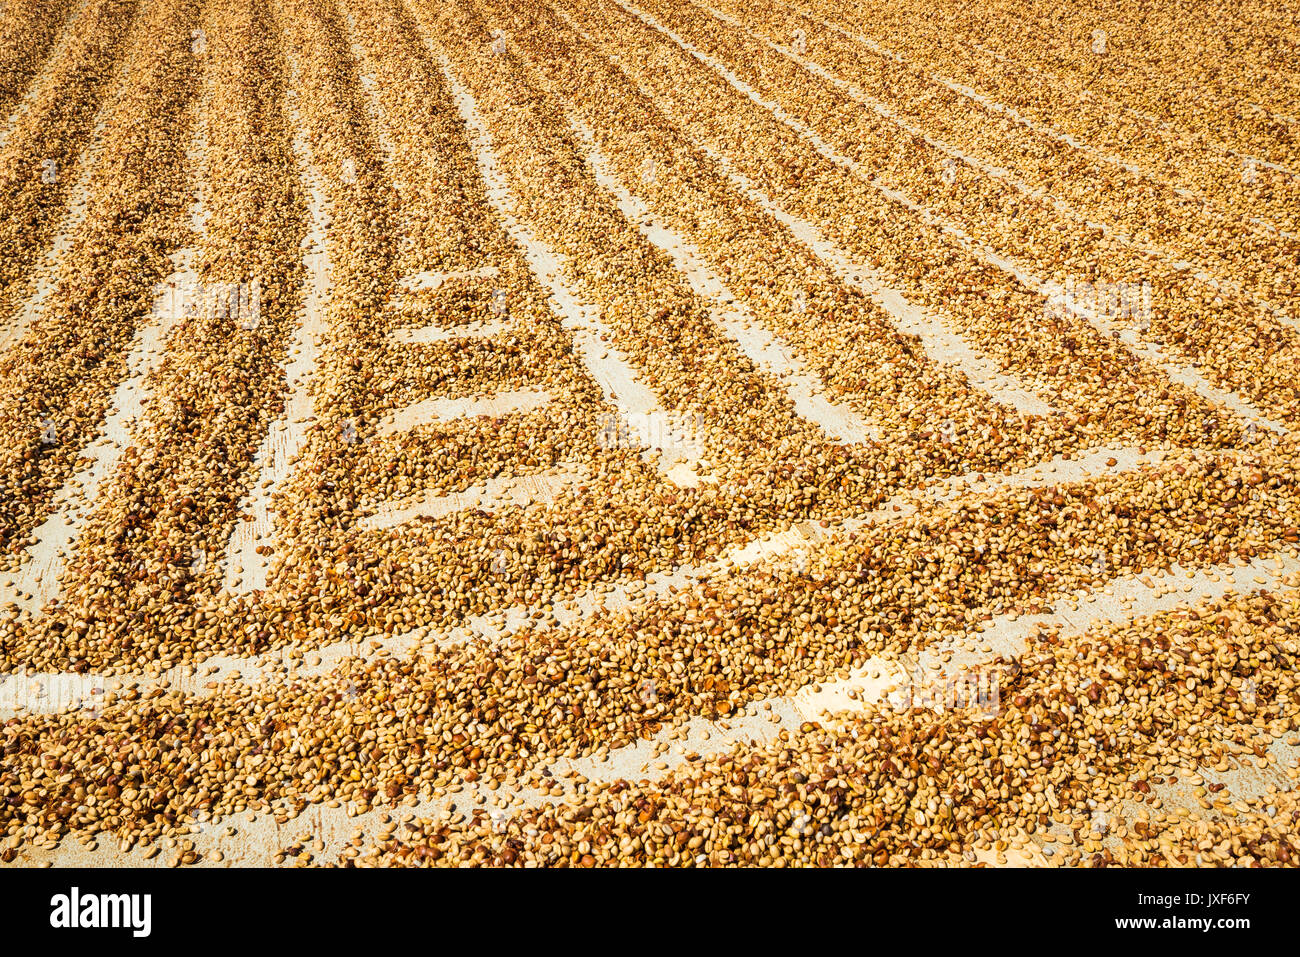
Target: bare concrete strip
{"x":804,"y":387}
{"x":638,"y":407}
{"x":514,"y":490}
{"x":245,"y":569}
{"x":432,"y":410}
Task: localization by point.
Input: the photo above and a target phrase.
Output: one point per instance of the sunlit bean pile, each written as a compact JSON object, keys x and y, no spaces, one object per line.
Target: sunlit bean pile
{"x":624,"y":432}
